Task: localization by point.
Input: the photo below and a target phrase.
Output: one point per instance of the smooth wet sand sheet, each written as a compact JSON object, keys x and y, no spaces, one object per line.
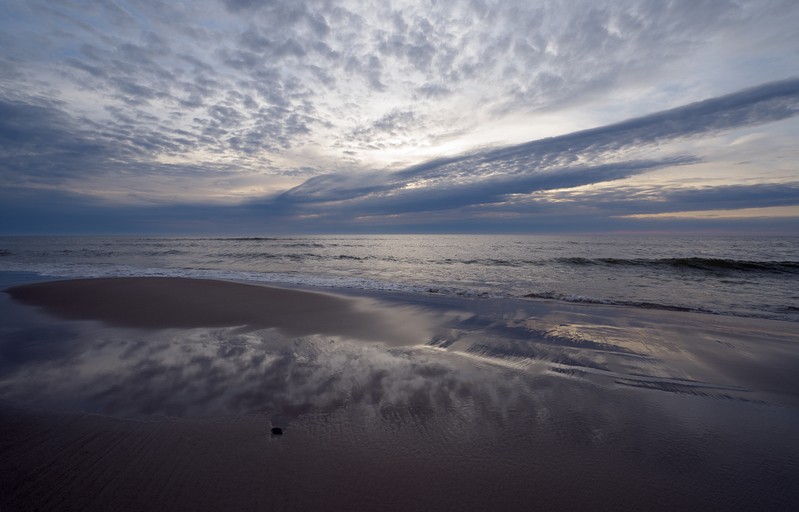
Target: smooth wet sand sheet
{"x":171,"y":318}
{"x":492,"y":404}
{"x":170,"y":302}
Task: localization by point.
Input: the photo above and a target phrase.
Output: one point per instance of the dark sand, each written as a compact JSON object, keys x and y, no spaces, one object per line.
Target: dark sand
{"x":168,"y":402}
{"x":171,"y":302}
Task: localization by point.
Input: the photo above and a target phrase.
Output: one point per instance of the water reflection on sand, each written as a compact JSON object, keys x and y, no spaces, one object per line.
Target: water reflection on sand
{"x":501,"y":403}
{"x":468,"y":352}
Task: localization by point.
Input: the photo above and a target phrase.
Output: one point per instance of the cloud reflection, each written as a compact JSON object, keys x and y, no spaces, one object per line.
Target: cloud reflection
{"x":473,"y":361}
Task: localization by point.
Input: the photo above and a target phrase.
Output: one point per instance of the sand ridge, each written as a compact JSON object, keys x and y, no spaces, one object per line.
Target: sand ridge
{"x":173,"y":302}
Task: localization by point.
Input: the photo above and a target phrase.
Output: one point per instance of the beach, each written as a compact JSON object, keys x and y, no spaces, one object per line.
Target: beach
{"x":462,"y":256}
{"x":160,"y":393}
{"x":160,"y":303}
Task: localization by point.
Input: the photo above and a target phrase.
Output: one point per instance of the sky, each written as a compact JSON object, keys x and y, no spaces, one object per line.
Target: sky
{"x":473,"y":116}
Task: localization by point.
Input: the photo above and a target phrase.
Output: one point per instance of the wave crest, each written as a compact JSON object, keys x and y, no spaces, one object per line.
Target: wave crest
{"x":717,"y":265}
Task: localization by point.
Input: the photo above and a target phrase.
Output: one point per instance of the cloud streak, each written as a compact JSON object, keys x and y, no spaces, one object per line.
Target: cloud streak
{"x":573,"y":160}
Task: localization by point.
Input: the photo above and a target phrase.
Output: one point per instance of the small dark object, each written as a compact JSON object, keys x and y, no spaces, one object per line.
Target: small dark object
{"x":277,"y":431}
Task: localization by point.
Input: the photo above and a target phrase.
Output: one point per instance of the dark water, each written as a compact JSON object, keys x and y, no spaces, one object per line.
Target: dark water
{"x":743,"y":276}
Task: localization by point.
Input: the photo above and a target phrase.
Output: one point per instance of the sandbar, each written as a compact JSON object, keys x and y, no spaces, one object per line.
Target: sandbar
{"x":172,"y":302}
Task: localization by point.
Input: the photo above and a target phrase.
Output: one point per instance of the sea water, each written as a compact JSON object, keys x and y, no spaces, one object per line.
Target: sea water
{"x":731,"y":275}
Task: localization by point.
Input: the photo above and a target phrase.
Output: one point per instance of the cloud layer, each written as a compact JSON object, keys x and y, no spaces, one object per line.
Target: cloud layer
{"x":351,"y":111}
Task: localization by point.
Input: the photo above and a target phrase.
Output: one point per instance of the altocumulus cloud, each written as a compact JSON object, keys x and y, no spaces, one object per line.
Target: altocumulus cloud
{"x":264,"y":115}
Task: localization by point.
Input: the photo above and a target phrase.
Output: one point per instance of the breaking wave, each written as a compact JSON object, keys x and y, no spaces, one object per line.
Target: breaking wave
{"x":716,"y":265}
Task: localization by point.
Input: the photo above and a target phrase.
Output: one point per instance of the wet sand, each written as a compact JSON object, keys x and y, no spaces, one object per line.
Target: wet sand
{"x":142,"y":394}
{"x":171,"y":302}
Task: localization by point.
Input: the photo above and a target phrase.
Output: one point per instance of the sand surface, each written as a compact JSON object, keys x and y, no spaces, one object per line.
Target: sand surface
{"x":160,"y":394}
{"x":170,"y":302}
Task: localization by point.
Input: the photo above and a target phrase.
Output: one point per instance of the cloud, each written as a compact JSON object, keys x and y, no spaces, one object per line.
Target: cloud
{"x":590,"y":156}
{"x":302,"y":68}
{"x":625,"y":200}
{"x":505,"y":181}
{"x":742,"y":213}
{"x":224,"y":99}
{"x":42,"y":148}
{"x":40,"y":139}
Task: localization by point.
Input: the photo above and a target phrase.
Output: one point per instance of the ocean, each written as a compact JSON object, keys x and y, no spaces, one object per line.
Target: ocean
{"x":729,"y":275}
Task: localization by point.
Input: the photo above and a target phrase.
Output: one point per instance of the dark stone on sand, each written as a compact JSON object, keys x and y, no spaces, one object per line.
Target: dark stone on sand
{"x":277,"y":431}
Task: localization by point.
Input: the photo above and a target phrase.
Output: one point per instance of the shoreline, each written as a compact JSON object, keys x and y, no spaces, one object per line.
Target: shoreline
{"x":117,"y":404}
{"x":739,"y":355}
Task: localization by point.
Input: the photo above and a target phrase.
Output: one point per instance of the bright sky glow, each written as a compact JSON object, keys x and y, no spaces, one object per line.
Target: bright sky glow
{"x":743,"y":213}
